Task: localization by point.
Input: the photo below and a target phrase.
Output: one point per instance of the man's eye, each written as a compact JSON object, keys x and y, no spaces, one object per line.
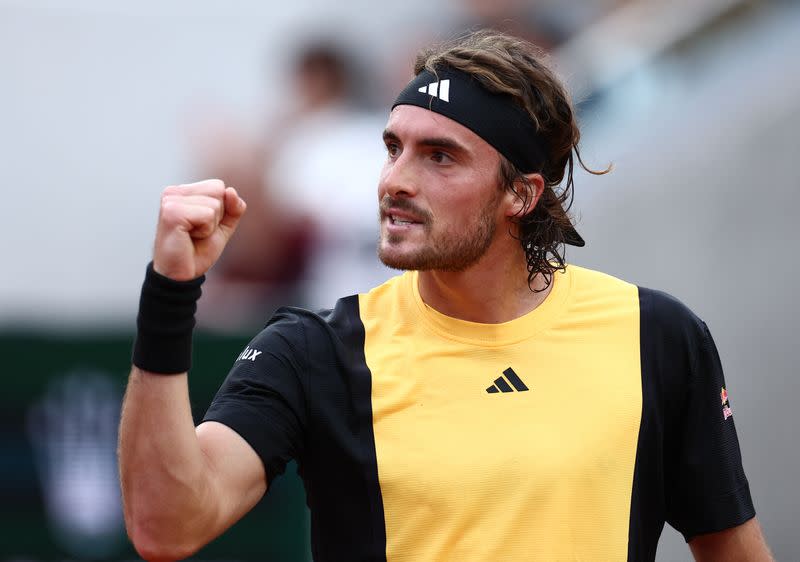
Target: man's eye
{"x":393,"y":149}
{"x":441,"y":157}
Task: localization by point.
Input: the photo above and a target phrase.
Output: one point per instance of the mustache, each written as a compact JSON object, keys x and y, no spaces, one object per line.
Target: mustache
{"x":389,"y":202}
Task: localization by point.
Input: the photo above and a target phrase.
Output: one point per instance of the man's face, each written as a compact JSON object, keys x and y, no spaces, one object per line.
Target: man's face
{"x":440,"y":200}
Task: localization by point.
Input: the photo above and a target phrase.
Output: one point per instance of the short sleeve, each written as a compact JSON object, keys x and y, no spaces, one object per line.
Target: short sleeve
{"x":707,"y":490}
{"x":263,"y":398}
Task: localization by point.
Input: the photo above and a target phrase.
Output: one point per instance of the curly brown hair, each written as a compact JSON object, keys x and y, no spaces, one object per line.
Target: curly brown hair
{"x":505,"y":64}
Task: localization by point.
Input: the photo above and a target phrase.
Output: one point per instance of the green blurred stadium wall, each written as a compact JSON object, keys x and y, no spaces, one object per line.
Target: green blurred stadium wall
{"x":276,"y":529}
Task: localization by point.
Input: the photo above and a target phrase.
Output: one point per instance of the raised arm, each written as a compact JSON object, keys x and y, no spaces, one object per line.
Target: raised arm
{"x":181,"y":486}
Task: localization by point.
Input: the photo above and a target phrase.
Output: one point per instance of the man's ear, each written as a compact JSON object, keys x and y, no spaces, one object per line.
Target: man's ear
{"x":528,"y":192}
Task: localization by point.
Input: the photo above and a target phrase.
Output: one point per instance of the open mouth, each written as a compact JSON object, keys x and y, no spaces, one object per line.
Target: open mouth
{"x":401,"y":221}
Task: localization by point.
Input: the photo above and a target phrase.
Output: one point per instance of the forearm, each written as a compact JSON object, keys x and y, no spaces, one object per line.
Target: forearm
{"x":743,"y":543}
{"x":164,"y":475}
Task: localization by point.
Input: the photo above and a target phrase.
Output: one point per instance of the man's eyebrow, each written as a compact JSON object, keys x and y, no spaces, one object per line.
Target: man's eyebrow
{"x":434,"y":142}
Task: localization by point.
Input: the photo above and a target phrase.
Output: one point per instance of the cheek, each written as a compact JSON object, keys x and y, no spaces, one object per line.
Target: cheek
{"x":453,"y":210}
{"x":464,"y":200}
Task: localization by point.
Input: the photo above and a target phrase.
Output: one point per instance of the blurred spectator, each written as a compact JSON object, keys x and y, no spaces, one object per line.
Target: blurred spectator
{"x":327,"y":165}
{"x":263,"y":262}
{"x":310,"y":231}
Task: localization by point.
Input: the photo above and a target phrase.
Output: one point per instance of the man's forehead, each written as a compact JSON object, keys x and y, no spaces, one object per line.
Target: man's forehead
{"x":417,"y":122}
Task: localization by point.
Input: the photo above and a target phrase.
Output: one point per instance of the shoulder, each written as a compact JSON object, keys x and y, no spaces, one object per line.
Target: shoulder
{"x":591,"y":277}
{"x":655,"y":306}
{"x":297,"y":325}
{"x":340,"y":321}
{"x":664,"y":319}
{"x":668,"y":316}
{"x":674,"y":340}
{"x":596,"y":285}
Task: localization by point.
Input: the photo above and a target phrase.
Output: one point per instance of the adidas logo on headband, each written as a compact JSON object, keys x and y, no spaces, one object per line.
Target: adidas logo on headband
{"x":440,"y":89}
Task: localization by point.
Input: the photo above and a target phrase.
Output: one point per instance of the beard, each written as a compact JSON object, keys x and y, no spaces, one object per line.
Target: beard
{"x":453,"y":250}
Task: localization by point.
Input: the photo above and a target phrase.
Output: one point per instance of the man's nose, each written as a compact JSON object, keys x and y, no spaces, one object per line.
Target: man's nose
{"x":399,"y":178}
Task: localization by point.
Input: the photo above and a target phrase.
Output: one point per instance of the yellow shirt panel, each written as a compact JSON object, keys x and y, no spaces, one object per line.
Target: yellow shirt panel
{"x":546,"y":473}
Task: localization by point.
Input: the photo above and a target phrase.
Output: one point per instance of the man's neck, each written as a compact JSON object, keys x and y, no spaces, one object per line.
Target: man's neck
{"x":488,"y":293}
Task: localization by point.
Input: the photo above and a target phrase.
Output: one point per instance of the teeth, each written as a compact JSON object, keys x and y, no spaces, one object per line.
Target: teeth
{"x":399,"y":221}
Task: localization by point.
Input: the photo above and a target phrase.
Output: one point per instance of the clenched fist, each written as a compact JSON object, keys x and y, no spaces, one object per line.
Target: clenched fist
{"x":195,"y":222}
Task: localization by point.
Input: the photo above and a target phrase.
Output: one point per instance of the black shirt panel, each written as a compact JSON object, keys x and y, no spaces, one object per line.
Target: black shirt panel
{"x":341,"y":473}
{"x":311,"y":397}
{"x":647,"y":498}
{"x":688,"y":464}
{"x":709,"y":490}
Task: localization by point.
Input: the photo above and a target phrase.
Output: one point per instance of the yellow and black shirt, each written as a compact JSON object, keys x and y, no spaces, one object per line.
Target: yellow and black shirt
{"x":571,"y":433}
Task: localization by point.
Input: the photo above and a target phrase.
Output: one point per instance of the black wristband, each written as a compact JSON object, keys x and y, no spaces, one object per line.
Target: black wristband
{"x":165,"y":323}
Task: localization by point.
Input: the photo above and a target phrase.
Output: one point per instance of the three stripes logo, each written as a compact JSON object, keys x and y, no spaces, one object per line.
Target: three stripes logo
{"x":501,"y":384}
{"x":439,"y":90}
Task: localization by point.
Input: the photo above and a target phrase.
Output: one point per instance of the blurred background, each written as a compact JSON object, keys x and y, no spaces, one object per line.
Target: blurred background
{"x":696,"y":103}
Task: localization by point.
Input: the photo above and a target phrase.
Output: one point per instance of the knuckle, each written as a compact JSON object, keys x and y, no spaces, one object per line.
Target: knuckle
{"x":217,"y":186}
{"x":169,"y":210}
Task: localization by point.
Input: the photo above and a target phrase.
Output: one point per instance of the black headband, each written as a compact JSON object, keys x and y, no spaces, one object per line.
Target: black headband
{"x":496,"y":118}
{"x":493,"y":117}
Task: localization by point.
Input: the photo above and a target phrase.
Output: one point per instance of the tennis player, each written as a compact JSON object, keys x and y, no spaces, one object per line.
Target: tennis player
{"x":492,"y":402}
